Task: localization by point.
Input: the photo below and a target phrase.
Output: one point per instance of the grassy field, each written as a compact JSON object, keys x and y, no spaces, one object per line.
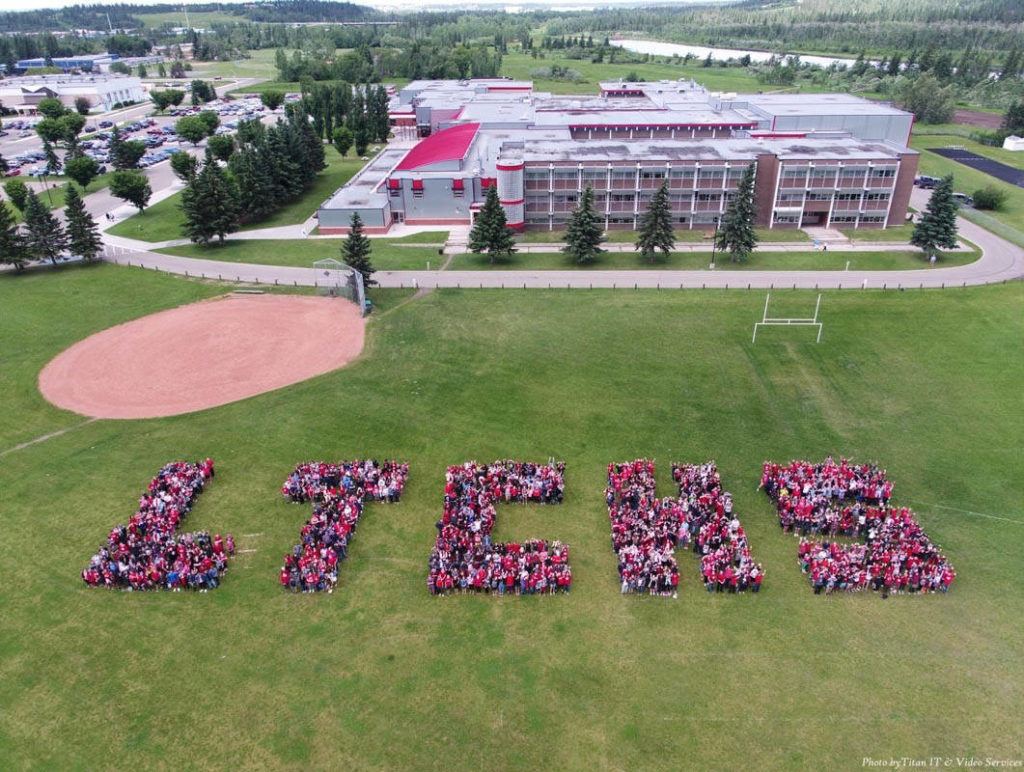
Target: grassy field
{"x":196,"y":18}
{"x":1010,"y":219}
{"x":386,"y":256}
{"x":689,"y":235}
{"x":927,"y":383}
{"x":520,"y":66}
{"x":164,"y":221}
{"x":259,"y":64}
{"x":691,"y":261}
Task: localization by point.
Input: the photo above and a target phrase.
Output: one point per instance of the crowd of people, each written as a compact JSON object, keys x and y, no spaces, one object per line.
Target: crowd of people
{"x":842,"y":499}
{"x":647,"y":530}
{"x":465,"y":558}
{"x":149,"y":554}
{"x":338,"y":493}
{"x":718,"y":536}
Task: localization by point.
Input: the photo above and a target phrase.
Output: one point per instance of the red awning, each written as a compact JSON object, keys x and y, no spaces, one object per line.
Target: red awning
{"x":417,"y":184}
{"x":394,"y":184}
{"x":457,"y":185}
{"x":486,"y":182}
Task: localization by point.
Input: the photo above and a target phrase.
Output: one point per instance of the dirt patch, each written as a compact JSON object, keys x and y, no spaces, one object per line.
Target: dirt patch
{"x":979,"y":119}
{"x":203,"y":355}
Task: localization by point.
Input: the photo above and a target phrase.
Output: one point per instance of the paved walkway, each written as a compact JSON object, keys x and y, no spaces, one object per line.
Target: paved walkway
{"x":1000,"y":261}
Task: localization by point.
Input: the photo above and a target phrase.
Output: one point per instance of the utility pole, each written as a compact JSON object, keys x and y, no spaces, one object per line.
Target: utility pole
{"x":188,"y":24}
{"x":109,"y":25}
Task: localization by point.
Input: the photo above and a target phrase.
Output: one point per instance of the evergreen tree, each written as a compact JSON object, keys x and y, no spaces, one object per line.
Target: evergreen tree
{"x":490,"y":232}
{"x":210,"y":204}
{"x":937,"y":226}
{"x":736,"y":236}
{"x":584,"y":234}
{"x":355,"y":251}
{"x":83,"y":235}
{"x":255,"y":183}
{"x":656,"y":226}
{"x":362,"y":140}
{"x":44,"y":237}
{"x":12,"y":245}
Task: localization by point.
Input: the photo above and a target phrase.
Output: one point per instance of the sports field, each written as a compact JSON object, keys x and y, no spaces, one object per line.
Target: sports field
{"x":382,"y":675}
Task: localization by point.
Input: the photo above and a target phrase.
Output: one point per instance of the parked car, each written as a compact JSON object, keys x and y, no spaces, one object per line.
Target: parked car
{"x":926,"y":182}
{"x":12,"y":172}
{"x":963,"y":199}
{"x":106,"y":124}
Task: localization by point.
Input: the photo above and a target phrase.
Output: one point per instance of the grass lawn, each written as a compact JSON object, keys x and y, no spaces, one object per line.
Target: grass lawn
{"x":520,"y":66}
{"x":689,"y":235}
{"x":926,"y":383}
{"x":952,"y":134}
{"x":196,"y":18}
{"x":164,"y":221}
{"x":893,"y":235}
{"x":691,"y":261}
{"x":386,"y":255}
{"x":1008,"y":222}
{"x":58,"y":186}
{"x":260,"y":64}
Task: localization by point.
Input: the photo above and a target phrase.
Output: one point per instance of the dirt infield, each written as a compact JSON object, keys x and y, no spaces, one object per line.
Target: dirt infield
{"x":203,"y":355}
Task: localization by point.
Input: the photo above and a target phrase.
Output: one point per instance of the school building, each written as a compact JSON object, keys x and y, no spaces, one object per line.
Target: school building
{"x":819,"y":159}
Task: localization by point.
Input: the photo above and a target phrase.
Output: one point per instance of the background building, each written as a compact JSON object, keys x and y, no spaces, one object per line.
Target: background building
{"x":103,"y":91}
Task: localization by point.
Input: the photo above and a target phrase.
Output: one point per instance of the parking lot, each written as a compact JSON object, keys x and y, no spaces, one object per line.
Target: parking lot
{"x":157,"y":133}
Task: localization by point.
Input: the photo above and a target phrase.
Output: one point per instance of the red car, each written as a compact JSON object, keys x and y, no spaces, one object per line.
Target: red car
{"x":13,"y":172}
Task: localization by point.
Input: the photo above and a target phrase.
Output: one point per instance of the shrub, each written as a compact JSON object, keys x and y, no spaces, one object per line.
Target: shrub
{"x":989,"y":197}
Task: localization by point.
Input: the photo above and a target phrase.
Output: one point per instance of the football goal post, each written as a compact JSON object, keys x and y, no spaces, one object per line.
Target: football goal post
{"x":787,"y":321}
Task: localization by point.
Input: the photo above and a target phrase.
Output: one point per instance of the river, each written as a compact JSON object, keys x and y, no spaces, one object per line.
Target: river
{"x":700,"y":52}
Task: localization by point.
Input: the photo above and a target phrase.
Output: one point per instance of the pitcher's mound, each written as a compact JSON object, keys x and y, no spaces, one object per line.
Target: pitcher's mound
{"x":203,"y":355}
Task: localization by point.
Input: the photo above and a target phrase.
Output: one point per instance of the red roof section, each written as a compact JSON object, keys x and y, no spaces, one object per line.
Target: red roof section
{"x":450,"y":144}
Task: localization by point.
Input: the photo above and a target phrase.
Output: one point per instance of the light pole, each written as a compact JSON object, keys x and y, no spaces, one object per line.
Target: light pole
{"x":714,"y":245}
{"x":46,"y":187}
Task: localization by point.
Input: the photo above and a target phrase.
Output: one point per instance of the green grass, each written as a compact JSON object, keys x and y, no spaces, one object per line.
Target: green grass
{"x":927,"y":383}
{"x":58,"y":186}
{"x":691,"y":261}
{"x":196,"y":18}
{"x":259,"y":64}
{"x":894,"y":234}
{"x":386,"y":255}
{"x":1010,"y":218}
{"x":519,"y":66}
{"x":164,"y":220}
{"x":689,"y":235}
{"x":950,"y":135}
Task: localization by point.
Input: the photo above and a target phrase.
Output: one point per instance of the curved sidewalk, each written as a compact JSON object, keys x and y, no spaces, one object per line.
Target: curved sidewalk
{"x":1000,"y":261}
